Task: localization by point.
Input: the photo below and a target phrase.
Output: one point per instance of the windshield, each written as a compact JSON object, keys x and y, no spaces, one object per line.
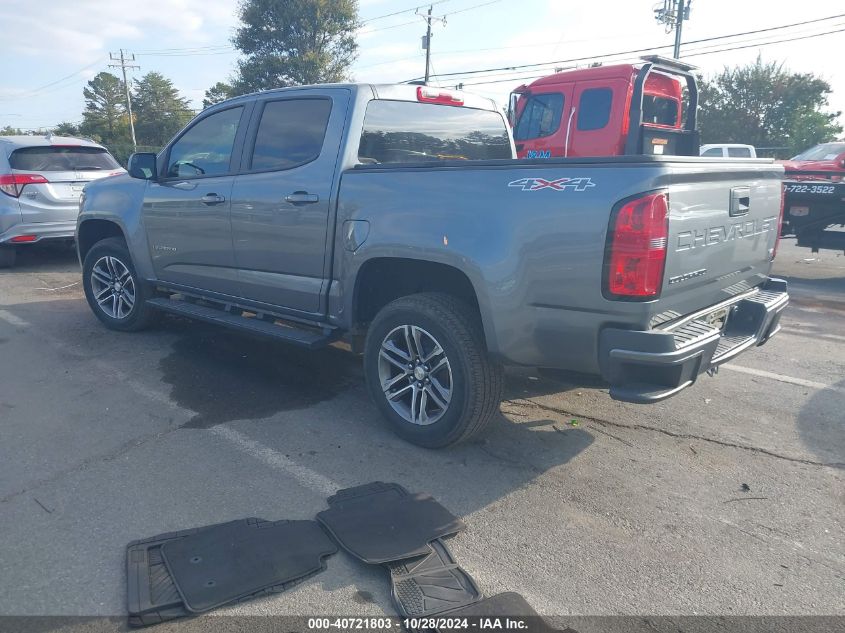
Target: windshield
{"x":540,"y":117}
{"x":825,"y":151}
{"x":59,"y":158}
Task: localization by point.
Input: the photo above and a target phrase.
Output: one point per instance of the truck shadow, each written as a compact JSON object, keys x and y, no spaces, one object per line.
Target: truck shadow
{"x":821,"y":425}
{"x":225,"y":376}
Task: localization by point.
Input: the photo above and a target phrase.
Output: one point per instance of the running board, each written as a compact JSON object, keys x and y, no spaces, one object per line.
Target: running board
{"x":291,"y":334}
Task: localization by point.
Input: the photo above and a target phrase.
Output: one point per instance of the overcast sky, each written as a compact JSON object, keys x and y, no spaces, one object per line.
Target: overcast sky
{"x":49,"y":49}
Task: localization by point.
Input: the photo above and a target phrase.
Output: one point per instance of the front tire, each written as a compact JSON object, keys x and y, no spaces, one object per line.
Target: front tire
{"x":428,"y":371}
{"x":115,"y":293}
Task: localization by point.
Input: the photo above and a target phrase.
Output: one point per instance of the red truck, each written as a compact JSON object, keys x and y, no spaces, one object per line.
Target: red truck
{"x":624,"y":109}
{"x":815,"y":197}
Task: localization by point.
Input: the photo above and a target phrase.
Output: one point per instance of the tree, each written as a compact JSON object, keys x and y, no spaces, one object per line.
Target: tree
{"x":8,"y":130}
{"x":217,"y":93}
{"x":105,"y":117}
{"x":159,"y":110}
{"x":294,"y":42}
{"x":765,"y":105}
{"x":67,"y":129}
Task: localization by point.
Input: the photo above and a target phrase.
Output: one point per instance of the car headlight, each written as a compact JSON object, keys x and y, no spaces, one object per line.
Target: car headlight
{"x":81,"y":201}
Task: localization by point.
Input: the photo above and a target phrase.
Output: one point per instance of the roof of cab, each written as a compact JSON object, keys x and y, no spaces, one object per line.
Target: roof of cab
{"x":616,"y":71}
{"x":396,"y":92}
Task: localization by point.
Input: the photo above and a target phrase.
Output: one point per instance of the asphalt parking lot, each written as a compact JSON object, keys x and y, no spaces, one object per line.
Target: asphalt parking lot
{"x":582,"y":504}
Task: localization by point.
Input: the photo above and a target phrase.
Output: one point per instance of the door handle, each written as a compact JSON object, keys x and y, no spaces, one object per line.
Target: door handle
{"x":302,"y":197}
{"x":212,"y":198}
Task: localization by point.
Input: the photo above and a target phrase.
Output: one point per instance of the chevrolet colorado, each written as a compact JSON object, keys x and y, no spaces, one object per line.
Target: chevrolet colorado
{"x":397,"y":218}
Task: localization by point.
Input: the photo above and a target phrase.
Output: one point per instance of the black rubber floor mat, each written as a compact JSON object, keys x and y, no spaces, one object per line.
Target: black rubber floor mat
{"x":151,"y":595}
{"x":504,"y":605}
{"x":381,"y":523}
{"x":431,"y":584}
{"x":213,"y":567}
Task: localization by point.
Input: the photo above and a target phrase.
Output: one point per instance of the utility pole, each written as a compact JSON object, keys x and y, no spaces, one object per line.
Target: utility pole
{"x":123,"y":65}
{"x":679,"y":22}
{"x":672,"y":14}
{"x":428,"y":44}
{"x":426,"y":40}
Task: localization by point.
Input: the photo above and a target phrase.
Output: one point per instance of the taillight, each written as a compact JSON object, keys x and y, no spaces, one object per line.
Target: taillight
{"x":438,"y":95}
{"x":780,"y":221}
{"x":13,"y":184}
{"x":636,"y":248}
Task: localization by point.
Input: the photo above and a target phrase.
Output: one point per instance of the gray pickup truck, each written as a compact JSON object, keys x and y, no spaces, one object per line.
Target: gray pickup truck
{"x":396,"y":217}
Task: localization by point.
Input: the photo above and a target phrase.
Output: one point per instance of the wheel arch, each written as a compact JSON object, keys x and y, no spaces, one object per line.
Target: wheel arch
{"x":380,"y":280}
{"x":95,"y":230}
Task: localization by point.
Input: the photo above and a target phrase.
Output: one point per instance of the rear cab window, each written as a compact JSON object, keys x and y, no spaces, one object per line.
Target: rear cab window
{"x":739,"y":152}
{"x":540,"y":117}
{"x":660,"y":110}
{"x":407,"y":132}
{"x":62,"y":158}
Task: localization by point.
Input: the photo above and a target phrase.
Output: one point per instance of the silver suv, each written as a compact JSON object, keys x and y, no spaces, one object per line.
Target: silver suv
{"x":41,"y":180}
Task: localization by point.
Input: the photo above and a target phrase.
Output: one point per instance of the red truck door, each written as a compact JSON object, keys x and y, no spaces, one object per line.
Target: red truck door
{"x":596,"y":127}
{"x":540,"y":131}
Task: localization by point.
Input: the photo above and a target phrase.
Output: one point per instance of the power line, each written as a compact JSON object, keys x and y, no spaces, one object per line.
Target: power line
{"x":35,"y":91}
{"x":694,"y":53}
{"x":414,"y":9}
{"x":638,"y":51}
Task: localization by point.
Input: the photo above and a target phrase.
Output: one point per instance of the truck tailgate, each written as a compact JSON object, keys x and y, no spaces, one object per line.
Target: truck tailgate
{"x":723,"y":226}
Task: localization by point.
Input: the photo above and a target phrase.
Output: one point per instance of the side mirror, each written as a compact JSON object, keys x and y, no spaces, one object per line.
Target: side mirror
{"x":142,"y":165}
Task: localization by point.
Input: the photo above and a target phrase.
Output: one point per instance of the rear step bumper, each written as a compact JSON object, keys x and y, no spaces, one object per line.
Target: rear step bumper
{"x":650,"y":366}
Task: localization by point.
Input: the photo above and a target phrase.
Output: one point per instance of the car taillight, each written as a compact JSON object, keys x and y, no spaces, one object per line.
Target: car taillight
{"x":780,"y":221}
{"x":13,"y":184}
{"x":636,"y":249}
{"x":427,"y":94}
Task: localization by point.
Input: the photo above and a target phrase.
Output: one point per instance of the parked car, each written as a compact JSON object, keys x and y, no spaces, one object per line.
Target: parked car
{"x":728,"y":150}
{"x":397,"y":218}
{"x":41,"y":179}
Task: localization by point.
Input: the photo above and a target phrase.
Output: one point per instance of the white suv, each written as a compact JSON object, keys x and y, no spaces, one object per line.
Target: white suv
{"x":41,"y":180}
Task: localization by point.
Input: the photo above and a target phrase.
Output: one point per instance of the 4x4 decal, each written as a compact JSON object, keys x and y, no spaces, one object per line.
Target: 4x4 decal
{"x":559,"y":184}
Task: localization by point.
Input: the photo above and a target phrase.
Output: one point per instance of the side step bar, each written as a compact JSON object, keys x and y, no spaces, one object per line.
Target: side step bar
{"x":297,"y":336}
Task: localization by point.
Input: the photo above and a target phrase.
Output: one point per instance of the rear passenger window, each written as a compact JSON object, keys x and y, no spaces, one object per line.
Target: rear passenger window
{"x":739,"y":152}
{"x":540,"y":117}
{"x":291,"y":133}
{"x":594,"y":108}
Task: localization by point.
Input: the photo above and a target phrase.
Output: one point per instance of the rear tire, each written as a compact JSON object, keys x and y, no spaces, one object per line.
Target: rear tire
{"x":431,"y":398}
{"x":115,"y":293}
{"x":8,"y":255}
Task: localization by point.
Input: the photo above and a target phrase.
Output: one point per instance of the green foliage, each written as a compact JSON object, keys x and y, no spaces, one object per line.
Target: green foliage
{"x":8,"y":130}
{"x":294,"y":42}
{"x":217,"y":93}
{"x":67,"y":129}
{"x":158,"y":109}
{"x":765,"y":105}
{"x":105,"y":118}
